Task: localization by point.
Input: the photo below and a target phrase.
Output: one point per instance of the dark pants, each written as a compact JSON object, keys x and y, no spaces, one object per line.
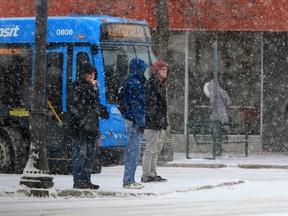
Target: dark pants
{"x":83,"y":153}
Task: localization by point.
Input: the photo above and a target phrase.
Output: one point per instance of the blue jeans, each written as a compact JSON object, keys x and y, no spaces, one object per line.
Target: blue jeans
{"x":83,"y":153}
{"x":132,"y":151}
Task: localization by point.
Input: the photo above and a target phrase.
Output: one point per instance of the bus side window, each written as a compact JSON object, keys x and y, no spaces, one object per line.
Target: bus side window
{"x":81,"y":58}
{"x":14,"y":80}
{"x":54,"y":80}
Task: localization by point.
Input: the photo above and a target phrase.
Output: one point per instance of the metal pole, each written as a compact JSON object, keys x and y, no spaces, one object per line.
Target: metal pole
{"x":36,"y":173}
{"x":186,"y":92}
{"x":215,"y":125}
{"x":215,"y":90}
{"x":262,"y":85}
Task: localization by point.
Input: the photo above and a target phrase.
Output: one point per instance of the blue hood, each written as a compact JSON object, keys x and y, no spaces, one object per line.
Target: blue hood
{"x":137,"y":68}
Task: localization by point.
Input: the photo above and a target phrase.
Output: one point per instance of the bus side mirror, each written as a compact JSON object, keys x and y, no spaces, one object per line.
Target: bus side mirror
{"x":94,"y":49}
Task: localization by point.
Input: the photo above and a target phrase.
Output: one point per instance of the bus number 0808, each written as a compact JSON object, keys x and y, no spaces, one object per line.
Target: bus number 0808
{"x":64,"y":31}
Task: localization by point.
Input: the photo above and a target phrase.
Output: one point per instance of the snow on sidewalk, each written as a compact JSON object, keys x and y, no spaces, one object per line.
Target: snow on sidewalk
{"x":180,"y":174}
{"x":110,"y":181}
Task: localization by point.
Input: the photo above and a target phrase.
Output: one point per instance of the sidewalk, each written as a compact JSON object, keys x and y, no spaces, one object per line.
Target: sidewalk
{"x":183,"y":175}
{"x":265,"y":160}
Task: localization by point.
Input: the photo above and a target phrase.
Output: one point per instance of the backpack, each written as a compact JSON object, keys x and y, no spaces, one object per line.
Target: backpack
{"x":120,"y":99}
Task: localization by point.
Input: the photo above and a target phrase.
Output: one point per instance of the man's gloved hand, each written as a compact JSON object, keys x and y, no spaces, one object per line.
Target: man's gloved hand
{"x":141,"y":129}
{"x":104,"y":114}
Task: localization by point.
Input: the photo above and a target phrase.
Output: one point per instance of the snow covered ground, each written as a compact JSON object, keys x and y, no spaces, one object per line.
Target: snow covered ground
{"x":196,"y":186}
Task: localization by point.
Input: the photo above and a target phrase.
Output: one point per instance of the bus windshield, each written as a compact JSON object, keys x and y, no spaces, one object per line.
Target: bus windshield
{"x":116,"y":61}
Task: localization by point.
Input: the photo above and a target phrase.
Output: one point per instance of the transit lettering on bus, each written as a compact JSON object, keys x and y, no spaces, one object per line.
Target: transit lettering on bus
{"x":9,"y":32}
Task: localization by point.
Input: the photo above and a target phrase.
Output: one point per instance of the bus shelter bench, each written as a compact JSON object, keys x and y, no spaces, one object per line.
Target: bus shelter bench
{"x":215,"y":133}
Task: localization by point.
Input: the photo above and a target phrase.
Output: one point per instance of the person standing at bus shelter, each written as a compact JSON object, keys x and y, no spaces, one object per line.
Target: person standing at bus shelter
{"x":156,"y":121}
{"x":219,"y":101}
{"x":135,"y":103}
{"x":85,"y":110}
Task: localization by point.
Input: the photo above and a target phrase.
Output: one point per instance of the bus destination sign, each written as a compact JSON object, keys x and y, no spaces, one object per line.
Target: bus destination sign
{"x":10,"y":51}
{"x":122,"y":32}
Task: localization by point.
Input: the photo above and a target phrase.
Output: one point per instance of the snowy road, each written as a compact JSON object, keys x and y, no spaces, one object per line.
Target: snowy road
{"x":264,"y":192}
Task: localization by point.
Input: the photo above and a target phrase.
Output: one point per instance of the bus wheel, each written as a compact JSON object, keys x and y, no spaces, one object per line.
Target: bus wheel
{"x":13,"y":151}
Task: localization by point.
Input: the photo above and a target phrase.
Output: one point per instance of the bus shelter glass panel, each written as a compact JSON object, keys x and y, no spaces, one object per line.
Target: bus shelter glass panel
{"x":238,"y":72}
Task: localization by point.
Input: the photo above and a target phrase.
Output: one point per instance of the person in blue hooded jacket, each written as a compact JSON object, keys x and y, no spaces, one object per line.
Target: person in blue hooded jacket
{"x":135,"y":119}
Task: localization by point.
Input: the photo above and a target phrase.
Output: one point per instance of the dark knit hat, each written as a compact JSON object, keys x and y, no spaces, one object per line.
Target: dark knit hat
{"x":87,"y":68}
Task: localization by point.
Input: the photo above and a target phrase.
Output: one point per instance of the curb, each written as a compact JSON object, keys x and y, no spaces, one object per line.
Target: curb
{"x":217,"y":166}
{"x":194,"y":165}
{"x":261,"y":166}
{"x":79,"y":193}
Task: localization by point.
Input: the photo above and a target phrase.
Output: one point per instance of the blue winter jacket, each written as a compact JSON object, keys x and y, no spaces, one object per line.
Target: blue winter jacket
{"x":134,"y":93}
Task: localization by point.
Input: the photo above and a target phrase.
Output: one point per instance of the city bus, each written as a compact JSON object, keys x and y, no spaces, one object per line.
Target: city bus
{"x":107,"y":42}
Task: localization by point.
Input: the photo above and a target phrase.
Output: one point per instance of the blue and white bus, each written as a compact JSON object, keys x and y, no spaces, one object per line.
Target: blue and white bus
{"x":107,"y":42}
